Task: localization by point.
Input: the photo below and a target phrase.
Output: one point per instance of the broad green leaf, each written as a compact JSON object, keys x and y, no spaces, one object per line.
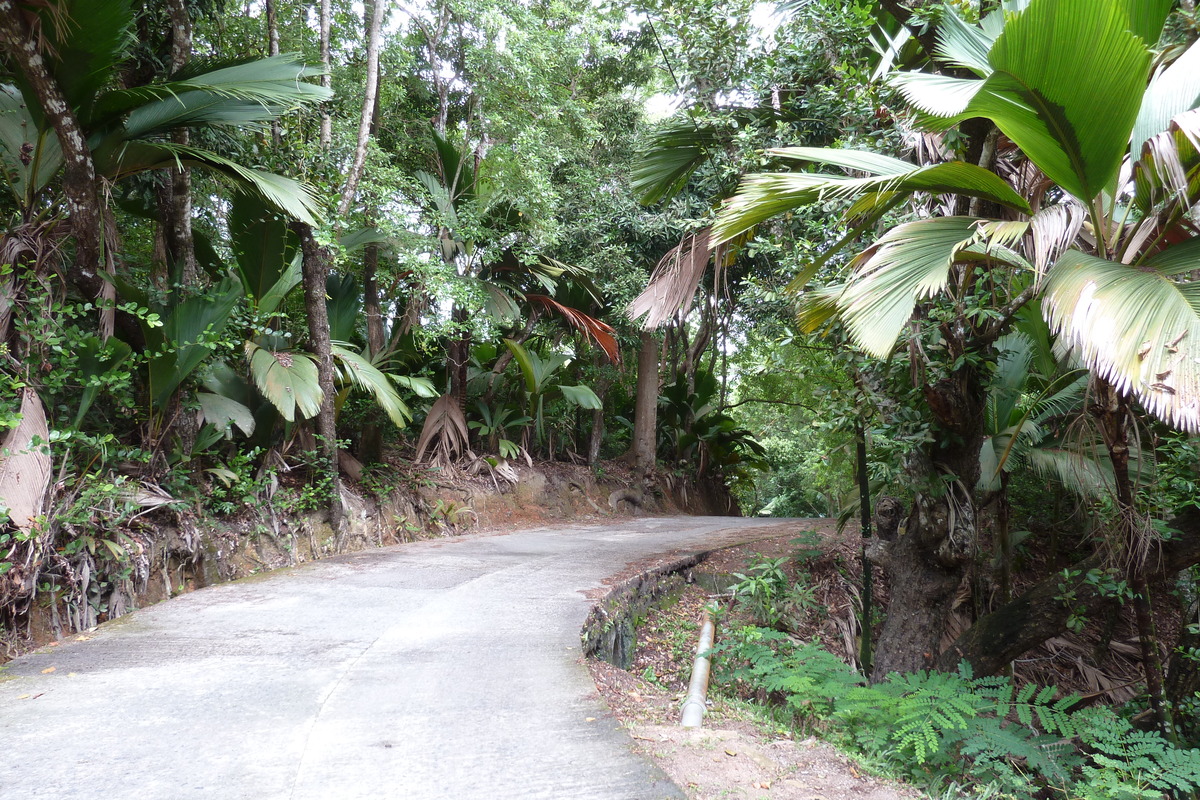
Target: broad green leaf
{"x":343,"y":304}
{"x":1138,"y":329}
{"x":1146,"y":18}
{"x":356,"y":240}
{"x":224,"y":413}
{"x":30,"y":157}
{"x":190,"y":332}
{"x":524,"y":361}
{"x":421,"y":387}
{"x":1066,"y":88}
{"x":287,"y":379}
{"x":581,"y":396}
{"x":95,"y":358}
{"x":910,"y":262}
{"x":290,"y":279}
{"x":263,"y":247}
{"x":963,"y":44}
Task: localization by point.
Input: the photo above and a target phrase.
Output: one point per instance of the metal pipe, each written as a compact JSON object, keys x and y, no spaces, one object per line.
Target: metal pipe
{"x":694,"y":706}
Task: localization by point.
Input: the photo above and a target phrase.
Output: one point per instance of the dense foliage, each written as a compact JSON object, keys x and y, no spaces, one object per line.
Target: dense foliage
{"x":931,"y":260}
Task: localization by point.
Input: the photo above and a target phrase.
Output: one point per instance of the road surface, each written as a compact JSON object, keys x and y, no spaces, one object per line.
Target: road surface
{"x":440,"y":669}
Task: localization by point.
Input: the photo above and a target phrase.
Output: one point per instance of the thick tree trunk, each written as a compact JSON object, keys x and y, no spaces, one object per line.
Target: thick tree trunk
{"x":1042,"y":612}
{"x":315,"y":264}
{"x":175,"y":199}
{"x":645,"y":422}
{"x":927,"y":564}
{"x":80,"y":185}
{"x":596,"y":435}
{"x":458,"y":354}
{"x":373,"y":13}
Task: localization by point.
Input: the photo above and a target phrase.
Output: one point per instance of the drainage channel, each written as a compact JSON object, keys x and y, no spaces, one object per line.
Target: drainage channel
{"x":610,"y":632}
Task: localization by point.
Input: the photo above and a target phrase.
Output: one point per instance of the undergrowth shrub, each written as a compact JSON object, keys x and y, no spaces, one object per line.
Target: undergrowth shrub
{"x":1020,"y":742}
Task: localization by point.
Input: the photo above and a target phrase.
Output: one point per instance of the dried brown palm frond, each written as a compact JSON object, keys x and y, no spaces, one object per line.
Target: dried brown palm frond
{"x":25,"y":464}
{"x":444,"y":436}
{"x":673,"y":283}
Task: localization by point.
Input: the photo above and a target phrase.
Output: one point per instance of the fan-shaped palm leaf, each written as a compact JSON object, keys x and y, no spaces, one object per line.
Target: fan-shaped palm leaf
{"x":287,"y":378}
{"x":356,"y":369}
{"x":239,"y":94}
{"x":288,"y":195}
{"x":1134,"y":327}
{"x":673,"y":154}
{"x":224,"y":413}
{"x":910,"y":262}
{"x":601,"y":333}
{"x":767,"y":195}
{"x":1172,"y":92}
{"x":1071,"y":116}
{"x":1168,"y":172}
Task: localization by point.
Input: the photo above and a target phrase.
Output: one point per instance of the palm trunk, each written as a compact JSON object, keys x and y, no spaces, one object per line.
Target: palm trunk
{"x":866,"y":656}
{"x":459,"y":355}
{"x":272,"y":15}
{"x":315,"y":264}
{"x":645,"y":420}
{"x":175,"y":200}
{"x":926,"y":565}
{"x":1112,"y":413}
{"x":371,"y":442}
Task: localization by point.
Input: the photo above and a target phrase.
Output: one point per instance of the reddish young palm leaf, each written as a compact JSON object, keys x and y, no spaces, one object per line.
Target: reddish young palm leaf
{"x":600,"y":332}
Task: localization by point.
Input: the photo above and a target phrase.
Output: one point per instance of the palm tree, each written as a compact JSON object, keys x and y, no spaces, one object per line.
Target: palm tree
{"x":1069,"y":83}
{"x":64,"y":117}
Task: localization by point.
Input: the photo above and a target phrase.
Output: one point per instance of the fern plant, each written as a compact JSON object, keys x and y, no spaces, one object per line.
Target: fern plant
{"x":1020,"y":742}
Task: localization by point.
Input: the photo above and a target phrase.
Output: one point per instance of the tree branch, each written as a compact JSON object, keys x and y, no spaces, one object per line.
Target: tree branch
{"x":770,"y":402}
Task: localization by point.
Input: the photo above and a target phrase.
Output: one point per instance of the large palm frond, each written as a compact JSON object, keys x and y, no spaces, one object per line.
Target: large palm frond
{"x":765,"y":195}
{"x":287,"y":378}
{"x":1071,"y":116}
{"x":673,"y":282}
{"x":672,"y":155}
{"x":356,"y":369}
{"x":909,"y":263}
{"x":1137,"y":328}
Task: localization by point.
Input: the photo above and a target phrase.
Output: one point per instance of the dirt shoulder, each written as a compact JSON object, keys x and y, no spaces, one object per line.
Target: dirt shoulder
{"x":738,"y":753}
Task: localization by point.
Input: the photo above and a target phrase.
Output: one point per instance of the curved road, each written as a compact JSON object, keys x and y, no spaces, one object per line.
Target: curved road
{"x":441,"y":669}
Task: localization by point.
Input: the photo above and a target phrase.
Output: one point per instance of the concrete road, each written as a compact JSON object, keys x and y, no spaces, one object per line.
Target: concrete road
{"x":441,"y":669}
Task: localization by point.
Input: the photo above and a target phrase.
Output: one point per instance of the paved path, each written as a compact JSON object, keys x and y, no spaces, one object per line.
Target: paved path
{"x":441,"y":669}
